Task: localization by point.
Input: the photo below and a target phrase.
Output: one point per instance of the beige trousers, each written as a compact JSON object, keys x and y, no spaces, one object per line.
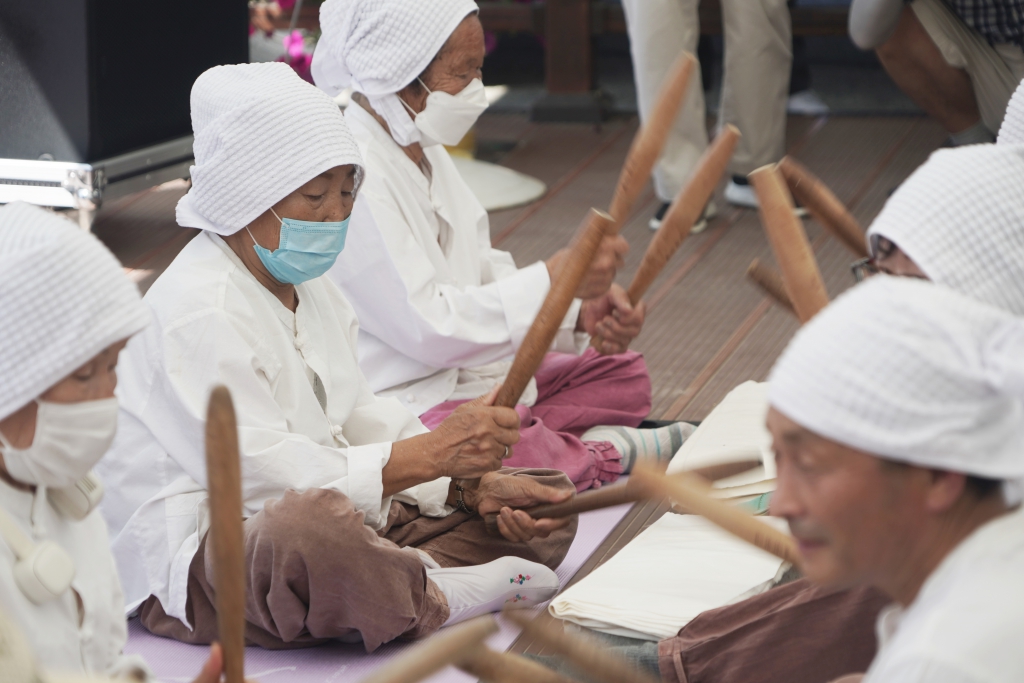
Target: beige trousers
{"x":317,"y":573}
{"x":758,"y":56}
{"x":995,"y":70}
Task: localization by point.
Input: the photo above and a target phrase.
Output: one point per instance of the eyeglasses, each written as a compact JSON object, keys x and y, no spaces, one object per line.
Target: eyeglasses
{"x":864,"y":268}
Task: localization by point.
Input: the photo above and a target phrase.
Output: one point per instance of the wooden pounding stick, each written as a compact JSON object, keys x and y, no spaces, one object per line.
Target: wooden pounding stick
{"x":224,"y":483}
{"x":789,"y":243}
{"x":770,"y":282}
{"x":541,"y":334}
{"x":502,"y":667}
{"x":617,"y":494}
{"x":824,"y":206}
{"x":650,"y":139}
{"x":686,"y":208}
{"x":429,"y":656}
{"x":693,"y":496}
{"x":587,"y":657}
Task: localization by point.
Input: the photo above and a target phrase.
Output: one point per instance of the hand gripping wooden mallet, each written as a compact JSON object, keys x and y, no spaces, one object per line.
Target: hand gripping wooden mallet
{"x":650,"y":139}
{"x":692,"y":495}
{"x":686,"y":209}
{"x":450,"y":646}
{"x":598,"y":664}
{"x":789,"y":243}
{"x":616,"y":494}
{"x":770,"y":282}
{"x":541,"y":334}
{"x":224,"y":483}
{"x":824,"y":206}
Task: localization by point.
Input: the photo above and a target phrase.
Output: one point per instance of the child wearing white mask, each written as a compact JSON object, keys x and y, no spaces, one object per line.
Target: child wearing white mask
{"x":66,"y":311}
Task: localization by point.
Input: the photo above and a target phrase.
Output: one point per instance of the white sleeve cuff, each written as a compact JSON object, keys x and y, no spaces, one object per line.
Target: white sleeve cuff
{"x":429,"y":497}
{"x":568,"y":340}
{"x":364,"y":484}
{"x":521,"y":297}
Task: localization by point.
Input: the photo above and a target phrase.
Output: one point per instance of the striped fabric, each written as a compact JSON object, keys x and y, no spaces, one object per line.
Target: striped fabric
{"x":998,"y":21}
{"x":960,"y":218}
{"x":910,"y":371}
{"x":261,"y":132}
{"x":63,"y":299}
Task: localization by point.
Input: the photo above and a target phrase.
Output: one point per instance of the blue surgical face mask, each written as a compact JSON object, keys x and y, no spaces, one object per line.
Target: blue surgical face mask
{"x":306,"y":250}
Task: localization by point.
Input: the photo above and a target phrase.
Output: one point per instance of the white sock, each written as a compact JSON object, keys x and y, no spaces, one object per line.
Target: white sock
{"x":484,"y":588}
{"x":652,"y":445}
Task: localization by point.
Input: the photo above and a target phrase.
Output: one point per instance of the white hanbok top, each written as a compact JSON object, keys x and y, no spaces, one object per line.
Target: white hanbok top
{"x":433,"y":297}
{"x":214,"y":323}
{"x":967,"y":623}
{"x":82,"y":631}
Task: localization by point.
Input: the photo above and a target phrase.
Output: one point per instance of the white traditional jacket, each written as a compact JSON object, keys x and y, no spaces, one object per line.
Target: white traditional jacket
{"x":215,"y":324}
{"x":431,"y":294}
{"x":82,"y":631}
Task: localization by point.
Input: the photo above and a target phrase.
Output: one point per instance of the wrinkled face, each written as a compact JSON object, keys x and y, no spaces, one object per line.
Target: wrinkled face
{"x":849,"y":511}
{"x":460,"y":60}
{"x":326,"y":198}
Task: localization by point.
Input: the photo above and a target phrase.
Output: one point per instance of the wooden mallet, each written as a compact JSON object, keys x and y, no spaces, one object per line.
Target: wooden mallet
{"x":451,"y":646}
{"x":503,"y":667}
{"x":824,"y":206}
{"x":541,"y":334}
{"x":686,"y":209}
{"x":789,"y":243}
{"x":616,"y":494}
{"x":224,"y":483}
{"x":650,"y":139}
{"x":692,"y":495}
{"x":770,"y":282}
{"x":587,"y":657}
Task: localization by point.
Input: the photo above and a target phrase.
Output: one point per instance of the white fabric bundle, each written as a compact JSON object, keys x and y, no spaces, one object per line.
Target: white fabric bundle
{"x":63,"y":299}
{"x":913,"y":372}
{"x":261,"y":132}
{"x":1012,"y":130}
{"x":960,"y":218}
{"x":377,"y":47}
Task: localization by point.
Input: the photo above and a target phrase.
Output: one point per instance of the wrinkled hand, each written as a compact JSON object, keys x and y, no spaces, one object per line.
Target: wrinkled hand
{"x":473,"y":438}
{"x":612,"y":318}
{"x":502,"y":493}
{"x":214,"y":666}
{"x":601,"y":274}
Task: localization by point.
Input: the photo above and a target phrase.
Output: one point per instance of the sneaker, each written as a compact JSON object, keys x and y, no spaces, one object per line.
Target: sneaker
{"x":806,"y":103}
{"x":506,"y":582}
{"x":710,"y":211}
{"x":740,"y":193}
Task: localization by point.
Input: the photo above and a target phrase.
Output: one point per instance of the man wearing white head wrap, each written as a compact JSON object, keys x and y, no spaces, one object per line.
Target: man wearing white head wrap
{"x":895,"y":414}
{"x":441,"y":311}
{"x":335,"y":480}
{"x":1012,"y":130}
{"x":957,"y":220}
{"x":66,"y":311}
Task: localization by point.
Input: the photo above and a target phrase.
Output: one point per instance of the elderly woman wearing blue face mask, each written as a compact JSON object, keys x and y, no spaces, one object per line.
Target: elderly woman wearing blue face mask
{"x":354,"y":526}
{"x":442,"y":312}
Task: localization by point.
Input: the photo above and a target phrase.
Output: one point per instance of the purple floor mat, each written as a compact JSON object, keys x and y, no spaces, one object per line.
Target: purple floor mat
{"x":340,"y":663}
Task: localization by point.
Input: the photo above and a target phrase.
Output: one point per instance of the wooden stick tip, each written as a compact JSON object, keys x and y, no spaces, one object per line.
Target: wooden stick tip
{"x":733,"y":130}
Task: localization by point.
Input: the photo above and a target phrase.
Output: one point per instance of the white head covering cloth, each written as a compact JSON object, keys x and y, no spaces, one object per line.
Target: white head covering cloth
{"x":63,"y":299}
{"x":910,"y":371}
{"x":378,"y":47}
{"x":1012,"y":130}
{"x":960,"y":218}
{"x":261,"y":132}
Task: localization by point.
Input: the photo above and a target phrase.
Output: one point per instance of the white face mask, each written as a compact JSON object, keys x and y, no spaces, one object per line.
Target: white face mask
{"x":70,"y":439}
{"x":446,"y":119}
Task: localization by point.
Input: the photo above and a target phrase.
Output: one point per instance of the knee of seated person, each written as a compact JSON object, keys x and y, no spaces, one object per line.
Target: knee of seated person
{"x":312,"y":517}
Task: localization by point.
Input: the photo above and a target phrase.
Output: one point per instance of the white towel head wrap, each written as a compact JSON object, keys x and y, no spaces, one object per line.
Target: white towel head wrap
{"x":1012,"y":130}
{"x":377,"y":47}
{"x":261,"y":132}
{"x":63,"y":299}
{"x":960,"y":218}
{"x":910,"y":371}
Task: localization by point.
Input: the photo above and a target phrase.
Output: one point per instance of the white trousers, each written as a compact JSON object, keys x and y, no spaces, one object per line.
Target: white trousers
{"x":758,"y":56}
{"x":995,"y":70}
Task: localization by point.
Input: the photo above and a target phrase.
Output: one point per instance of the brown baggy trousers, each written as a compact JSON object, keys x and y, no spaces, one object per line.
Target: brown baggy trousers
{"x":796,"y":633}
{"x":315,"y":572}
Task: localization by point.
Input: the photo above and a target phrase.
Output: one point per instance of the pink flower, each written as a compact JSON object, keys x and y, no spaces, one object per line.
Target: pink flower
{"x":295,"y":44}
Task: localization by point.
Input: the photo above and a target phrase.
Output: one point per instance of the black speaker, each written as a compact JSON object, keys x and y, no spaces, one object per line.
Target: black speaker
{"x":84,"y":80}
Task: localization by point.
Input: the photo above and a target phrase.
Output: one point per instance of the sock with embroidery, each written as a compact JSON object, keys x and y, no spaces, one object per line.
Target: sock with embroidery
{"x":483,"y":588}
{"x":651,"y":445}
{"x":975,"y":135}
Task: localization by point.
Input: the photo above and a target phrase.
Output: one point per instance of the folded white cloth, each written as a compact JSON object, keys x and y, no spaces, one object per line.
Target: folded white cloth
{"x":680,"y":566}
{"x":733,"y":431}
